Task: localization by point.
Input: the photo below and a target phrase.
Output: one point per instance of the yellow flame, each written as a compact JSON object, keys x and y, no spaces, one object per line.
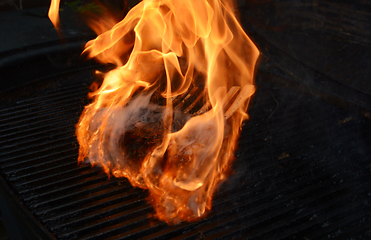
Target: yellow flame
{"x":133,"y":129}
{"x":53,"y":13}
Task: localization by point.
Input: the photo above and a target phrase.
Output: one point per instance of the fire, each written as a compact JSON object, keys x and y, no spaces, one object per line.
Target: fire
{"x":53,"y":13}
{"x":168,"y":117}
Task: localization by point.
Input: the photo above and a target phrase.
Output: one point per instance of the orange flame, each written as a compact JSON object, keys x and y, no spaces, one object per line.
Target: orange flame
{"x":53,"y":13}
{"x":168,"y":119}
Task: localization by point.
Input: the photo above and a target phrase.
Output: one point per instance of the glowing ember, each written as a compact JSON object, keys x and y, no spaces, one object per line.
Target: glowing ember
{"x":168,"y":118}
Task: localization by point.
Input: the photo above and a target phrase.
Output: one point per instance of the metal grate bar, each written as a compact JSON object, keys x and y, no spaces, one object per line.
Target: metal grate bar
{"x":64,"y":124}
{"x":268,"y":197}
{"x":18,"y":165}
{"x":292,"y":217}
{"x":21,"y":110}
{"x":291,"y":177}
{"x":34,"y":154}
{"x":45,"y":135}
{"x":101,"y":199}
{"x":134,"y":214}
{"x":80,"y":202}
{"x":83,"y":195}
{"x":45,"y":110}
{"x":124,"y":201}
{"x":353,"y":228}
{"x":65,"y":114}
{"x":38,"y":146}
{"x":46,"y":97}
{"x":19,"y":180}
{"x":61,"y":90}
{"x":71,"y":182}
{"x":310,"y":225}
{"x":72,"y":170}
{"x":120,"y":195}
{"x":122,"y":225}
{"x":265,"y":215}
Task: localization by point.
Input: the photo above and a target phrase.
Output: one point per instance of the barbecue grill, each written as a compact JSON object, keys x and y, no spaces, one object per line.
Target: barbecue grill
{"x":302,"y":169}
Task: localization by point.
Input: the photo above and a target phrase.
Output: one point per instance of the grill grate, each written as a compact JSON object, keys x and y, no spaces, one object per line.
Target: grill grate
{"x":301,"y":171}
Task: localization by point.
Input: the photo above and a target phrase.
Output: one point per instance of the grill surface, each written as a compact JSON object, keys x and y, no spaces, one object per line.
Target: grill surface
{"x":302,"y":170}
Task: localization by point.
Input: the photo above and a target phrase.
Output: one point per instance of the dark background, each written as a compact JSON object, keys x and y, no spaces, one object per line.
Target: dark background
{"x":330,"y":40}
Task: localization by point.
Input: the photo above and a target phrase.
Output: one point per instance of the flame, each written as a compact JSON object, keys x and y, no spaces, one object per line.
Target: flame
{"x":135,"y":129}
{"x":53,"y":13}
